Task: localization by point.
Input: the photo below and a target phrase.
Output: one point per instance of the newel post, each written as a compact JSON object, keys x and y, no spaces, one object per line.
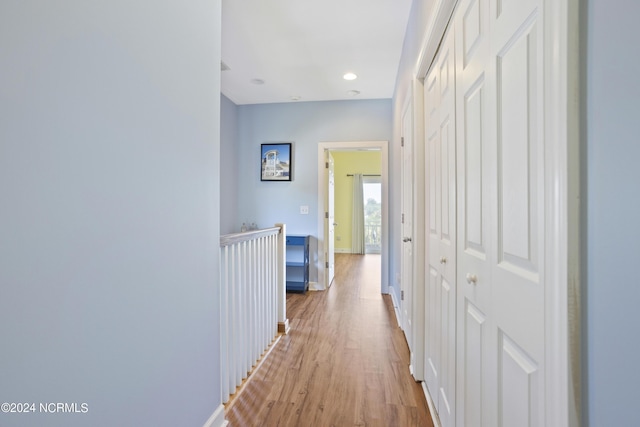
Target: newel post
{"x":283,"y":322}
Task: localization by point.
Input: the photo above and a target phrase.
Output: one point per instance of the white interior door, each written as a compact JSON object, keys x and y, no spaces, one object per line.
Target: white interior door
{"x":432,"y":185}
{"x":441,"y":258}
{"x":476,"y":190}
{"x":406,"y":284}
{"x":330,"y":221}
{"x":518,"y":222}
{"x":501,"y":333}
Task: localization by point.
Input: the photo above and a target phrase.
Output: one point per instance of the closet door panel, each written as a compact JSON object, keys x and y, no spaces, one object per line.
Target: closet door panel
{"x":475,"y":100}
{"x":518,"y":274}
{"x":471,"y":389}
{"x":441,"y":160}
{"x":473,"y":233}
{"x":447,"y":239}
{"x":434,"y":331}
{"x":518,"y":172}
{"x":432,"y":294}
{"x":519,"y":388}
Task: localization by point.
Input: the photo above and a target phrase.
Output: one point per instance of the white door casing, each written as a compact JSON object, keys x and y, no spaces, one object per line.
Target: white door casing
{"x":419,"y":232}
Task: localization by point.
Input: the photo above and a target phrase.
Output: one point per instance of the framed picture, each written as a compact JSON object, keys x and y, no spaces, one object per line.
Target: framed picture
{"x":276,"y":162}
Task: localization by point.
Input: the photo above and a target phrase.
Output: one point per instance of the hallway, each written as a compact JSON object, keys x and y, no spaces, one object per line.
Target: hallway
{"x":344,"y":362}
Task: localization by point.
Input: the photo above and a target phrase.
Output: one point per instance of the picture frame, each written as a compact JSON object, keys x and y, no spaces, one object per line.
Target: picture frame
{"x":276,"y":161}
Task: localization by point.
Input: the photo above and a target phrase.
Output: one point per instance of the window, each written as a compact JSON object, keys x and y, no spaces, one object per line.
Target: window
{"x":372,"y":194}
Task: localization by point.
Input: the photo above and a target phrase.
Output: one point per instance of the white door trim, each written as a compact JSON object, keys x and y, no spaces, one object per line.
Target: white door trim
{"x":443,"y":11}
{"x":419,"y":230}
{"x":322,"y":190}
{"x":562,"y":192}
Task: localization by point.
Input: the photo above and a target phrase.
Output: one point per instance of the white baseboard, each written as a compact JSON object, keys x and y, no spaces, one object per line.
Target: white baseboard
{"x":432,"y":407}
{"x":396,"y":306}
{"x":315,"y":286}
{"x":217,"y":418}
{"x":342,"y":250}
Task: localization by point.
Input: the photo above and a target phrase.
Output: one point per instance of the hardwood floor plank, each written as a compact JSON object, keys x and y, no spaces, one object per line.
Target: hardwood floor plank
{"x":344,"y":362}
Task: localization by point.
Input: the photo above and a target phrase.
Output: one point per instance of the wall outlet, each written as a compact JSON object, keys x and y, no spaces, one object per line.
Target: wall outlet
{"x":338,"y":238}
{"x":304,"y":210}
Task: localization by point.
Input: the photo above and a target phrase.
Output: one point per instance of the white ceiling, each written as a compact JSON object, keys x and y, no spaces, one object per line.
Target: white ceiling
{"x":302,"y":48}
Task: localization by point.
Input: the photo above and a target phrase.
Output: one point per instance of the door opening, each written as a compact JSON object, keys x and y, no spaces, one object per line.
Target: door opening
{"x":379,"y":235}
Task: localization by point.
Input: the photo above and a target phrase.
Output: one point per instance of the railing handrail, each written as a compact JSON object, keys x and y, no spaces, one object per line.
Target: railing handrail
{"x":233,"y":238}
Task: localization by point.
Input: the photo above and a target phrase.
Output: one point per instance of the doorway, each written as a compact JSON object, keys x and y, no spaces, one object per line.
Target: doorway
{"x":323,"y":187}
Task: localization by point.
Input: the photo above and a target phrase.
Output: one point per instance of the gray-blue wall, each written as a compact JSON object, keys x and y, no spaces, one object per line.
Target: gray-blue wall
{"x":611,"y":233}
{"x":228,"y":166}
{"x":305,"y":124}
{"x":109,"y":211}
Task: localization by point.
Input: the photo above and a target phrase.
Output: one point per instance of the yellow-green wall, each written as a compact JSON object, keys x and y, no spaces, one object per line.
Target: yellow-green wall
{"x":349,"y":162}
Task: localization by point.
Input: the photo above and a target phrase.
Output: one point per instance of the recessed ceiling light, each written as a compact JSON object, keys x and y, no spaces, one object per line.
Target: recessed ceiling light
{"x":349,"y":76}
{"x":353,"y":93}
{"x":295,"y":98}
{"x":257,"y":81}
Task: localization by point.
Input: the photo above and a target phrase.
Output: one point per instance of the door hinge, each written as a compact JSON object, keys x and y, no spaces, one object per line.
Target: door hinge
{"x":326,"y":165}
{"x":326,"y":215}
{"x":326,"y":264}
{"x":403,"y":218}
{"x":401,"y":295}
{"x":402,"y":141}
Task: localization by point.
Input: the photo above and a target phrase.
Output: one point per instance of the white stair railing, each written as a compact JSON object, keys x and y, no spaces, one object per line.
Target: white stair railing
{"x":253,"y":300}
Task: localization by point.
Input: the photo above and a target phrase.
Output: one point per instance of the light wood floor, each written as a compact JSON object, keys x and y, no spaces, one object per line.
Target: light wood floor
{"x":344,"y":363}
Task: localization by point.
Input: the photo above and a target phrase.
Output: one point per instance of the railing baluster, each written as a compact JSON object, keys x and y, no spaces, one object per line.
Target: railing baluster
{"x":260,"y":344}
{"x":242,"y":316}
{"x":233,"y":321}
{"x":252,"y":300}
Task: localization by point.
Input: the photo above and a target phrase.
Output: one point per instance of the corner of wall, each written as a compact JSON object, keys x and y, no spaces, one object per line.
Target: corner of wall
{"x":217,"y":418}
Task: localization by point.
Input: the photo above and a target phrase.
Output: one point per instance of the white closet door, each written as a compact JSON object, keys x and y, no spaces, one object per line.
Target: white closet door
{"x":501,"y":223}
{"x":488,"y":361}
{"x":441,"y":158}
{"x":432,"y":185}
{"x":518,"y":223}
{"x":475,"y":103}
